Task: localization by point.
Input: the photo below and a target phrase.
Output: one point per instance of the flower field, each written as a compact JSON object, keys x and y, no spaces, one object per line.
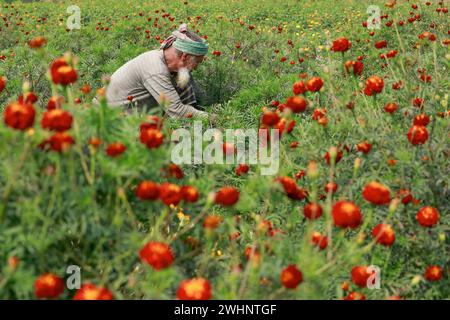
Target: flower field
{"x":360,"y":205}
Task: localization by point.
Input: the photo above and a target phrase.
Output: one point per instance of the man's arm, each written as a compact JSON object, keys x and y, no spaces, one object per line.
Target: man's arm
{"x":160,"y":84}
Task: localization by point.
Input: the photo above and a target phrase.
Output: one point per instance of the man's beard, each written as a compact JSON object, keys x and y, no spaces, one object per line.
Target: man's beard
{"x":183,"y":77}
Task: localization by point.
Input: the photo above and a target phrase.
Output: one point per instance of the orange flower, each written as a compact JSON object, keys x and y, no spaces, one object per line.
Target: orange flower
{"x":19,"y":116}
{"x":147,"y":190}
{"x":383,"y":234}
{"x":433,"y":273}
{"x":56,"y":120}
{"x":341,"y":45}
{"x":417,"y":135}
{"x":156,"y":254}
{"x":89,"y":291}
{"x":194,"y":289}
{"x":314,"y":84}
{"x":48,"y":285}
{"x":212,"y":221}
{"x":376,"y":193}
{"x":37,"y":42}
{"x":291,"y":277}
{"x":296,"y":104}
{"x":346,"y":214}
{"x":115,"y":149}
{"x":170,"y":194}
{"x":227,"y":196}
{"x":427,"y":216}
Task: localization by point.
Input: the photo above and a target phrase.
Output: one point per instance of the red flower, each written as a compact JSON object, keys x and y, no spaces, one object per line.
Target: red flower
{"x":227,"y":196}
{"x":242,"y":168}
{"x":48,"y":285}
{"x":391,"y":107}
{"x":153,"y":122}
{"x":331,"y":187}
{"x":299,"y":88}
{"x":421,"y":120}
{"x":374,"y":85}
{"x":147,"y":190}
{"x":346,"y":214}
{"x":19,"y":116}
{"x":291,"y":188}
{"x":418,"y":103}
{"x":417,"y":135}
{"x":189,"y":194}
{"x":312,"y":211}
{"x":172,"y":170}
{"x":433,"y":273}
{"x":56,"y":120}
{"x":152,"y":138}
{"x":314,"y":84}
{"x":356,"y":67}
{"x":115,"y":149}
{"x":383,"y":234}
{"x":59,"y":142}
{"x":217,"y":53}
{"x":364,"y":147}
{"x":355,"y":296}
{"x":194,"y":289}
{"x":65,"y":75}
{"x":381,"y":44}
{"x":427,"y":216}
{"x":2,"y":83}
{"x":170,"y":194}
{"x":296,"y":104}
{"x":360,"y":276}
{"x":156,"y":254}
{"x":319,"y":240}
{"x":270,"y":118}
{"x":291,"y":277}
{"x":55,"y":102}
{"x":339,"y":155}
{"x":29,"y":97}
{"x":341,"y":45}
{"x":376,"y":193}
{"x":89,"y":291}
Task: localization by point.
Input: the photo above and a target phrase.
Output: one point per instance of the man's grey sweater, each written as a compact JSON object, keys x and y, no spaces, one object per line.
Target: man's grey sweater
{"x":146,"y":78}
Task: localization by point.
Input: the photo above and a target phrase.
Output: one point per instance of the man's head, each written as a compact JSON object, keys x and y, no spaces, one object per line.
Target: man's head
{"x":188,"y":49}
{"x":184,"y":51}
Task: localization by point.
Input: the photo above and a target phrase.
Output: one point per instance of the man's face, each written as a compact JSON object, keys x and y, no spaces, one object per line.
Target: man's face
{"x":191,"y":62}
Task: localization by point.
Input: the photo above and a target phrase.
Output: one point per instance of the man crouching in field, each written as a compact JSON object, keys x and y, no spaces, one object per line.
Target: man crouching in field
{"x":161,"y":73}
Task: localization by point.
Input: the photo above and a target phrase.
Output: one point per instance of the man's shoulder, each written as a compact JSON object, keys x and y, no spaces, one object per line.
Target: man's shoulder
{"x":152,"y":62}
